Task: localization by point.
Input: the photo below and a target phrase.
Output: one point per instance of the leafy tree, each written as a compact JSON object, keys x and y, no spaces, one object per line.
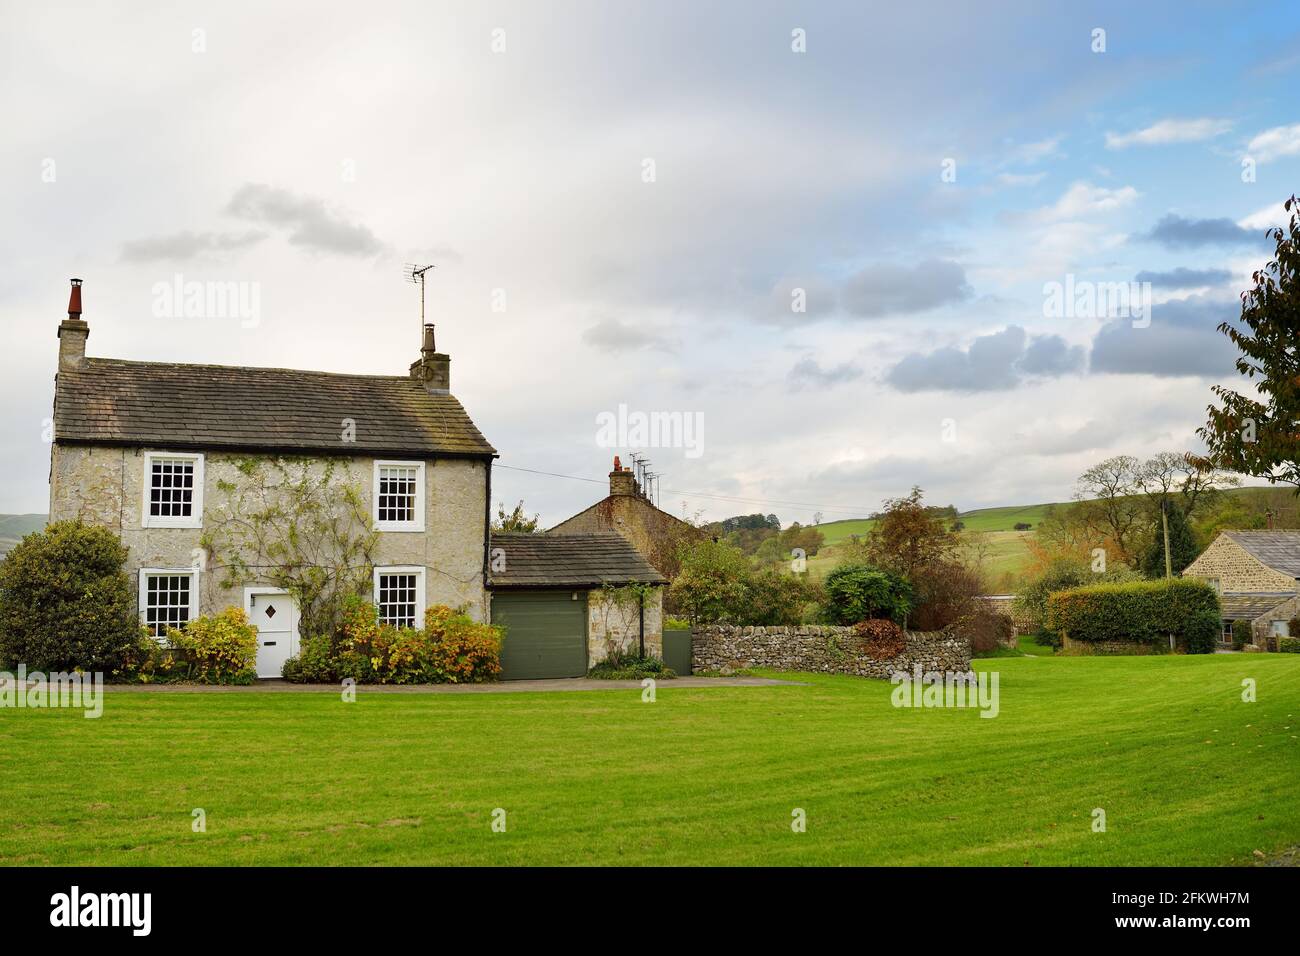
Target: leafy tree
{"x":516,"y":520}
{"x":798,"y":536}
{"x":711,"y":585}
{"x":1187,"y":481}
{"x":1110,"y":504}
{"x":716,"y":585}
{"x":908,"y":535}
{"x":1182,"y":545}
{"x":66,"y":601}
{"x":773,"y":598}
{"x":858,"y":592}
{"x":1259,"y":436}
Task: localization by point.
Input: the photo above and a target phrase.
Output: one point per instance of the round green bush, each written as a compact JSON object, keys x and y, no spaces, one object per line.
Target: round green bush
{"x":857,"y":592}
{"x":66,"y":602}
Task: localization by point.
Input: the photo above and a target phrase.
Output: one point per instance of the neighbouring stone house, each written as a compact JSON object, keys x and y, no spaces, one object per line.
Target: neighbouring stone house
{"x":627,"y":511}
{"x":164,"y":454}
{"x":1257,"y":576}
{"x":569,"y":601}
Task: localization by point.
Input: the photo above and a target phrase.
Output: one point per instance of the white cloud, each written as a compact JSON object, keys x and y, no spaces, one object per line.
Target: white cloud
{"x":1275,"y":143}
{"x":1169,"y":131}
{"x":1272,"y":215}
{"x":1082,"y":200}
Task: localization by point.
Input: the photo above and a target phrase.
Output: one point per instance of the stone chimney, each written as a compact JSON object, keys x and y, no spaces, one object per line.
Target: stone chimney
{"x":73,"y":332}
{"x":621,"y":480}
{"x":434,"y":367}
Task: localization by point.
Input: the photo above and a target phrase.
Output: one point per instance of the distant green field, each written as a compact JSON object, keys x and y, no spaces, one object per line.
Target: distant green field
{"x":13,"y":527}
{"x":981,"y":519}
{"x":1007,"y":550}
{"x":837,"y":531}
{"x":1003,"y":519}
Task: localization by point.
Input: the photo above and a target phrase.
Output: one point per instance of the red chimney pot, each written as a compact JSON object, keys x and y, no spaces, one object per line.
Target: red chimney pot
{"x":74,"y":300}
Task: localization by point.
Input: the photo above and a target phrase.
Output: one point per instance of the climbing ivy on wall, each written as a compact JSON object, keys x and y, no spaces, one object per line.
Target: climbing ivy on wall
{"x":623,"y":605}
{"x":295,"y":523}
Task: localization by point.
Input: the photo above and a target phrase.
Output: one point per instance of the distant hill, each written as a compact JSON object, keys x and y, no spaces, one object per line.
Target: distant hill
{"x":13,"y":527}
{"x":981,"y":519}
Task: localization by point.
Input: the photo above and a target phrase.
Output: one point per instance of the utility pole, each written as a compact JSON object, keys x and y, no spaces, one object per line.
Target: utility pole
{"x":1169,"y":568}
{"x":1164,"y":521}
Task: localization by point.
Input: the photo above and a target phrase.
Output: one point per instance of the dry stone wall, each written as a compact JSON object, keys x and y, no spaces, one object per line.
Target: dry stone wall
{"x":825,"y":649}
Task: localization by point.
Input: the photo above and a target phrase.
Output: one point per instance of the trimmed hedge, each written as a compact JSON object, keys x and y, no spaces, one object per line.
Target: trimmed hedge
{"x":1143,"y":611}
{"x":1289,"y":645}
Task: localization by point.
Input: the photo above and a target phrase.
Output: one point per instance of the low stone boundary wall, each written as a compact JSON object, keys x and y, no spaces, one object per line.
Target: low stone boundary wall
{"x":831,"y":650}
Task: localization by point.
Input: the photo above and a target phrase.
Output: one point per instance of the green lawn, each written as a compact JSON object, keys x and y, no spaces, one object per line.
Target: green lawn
{"x":1186,"y":772}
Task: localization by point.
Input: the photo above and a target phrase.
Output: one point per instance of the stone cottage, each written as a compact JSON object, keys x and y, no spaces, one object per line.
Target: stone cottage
{"x":1257,"y":576}
{"x":155,"y":451}
{"x":166,"y":456}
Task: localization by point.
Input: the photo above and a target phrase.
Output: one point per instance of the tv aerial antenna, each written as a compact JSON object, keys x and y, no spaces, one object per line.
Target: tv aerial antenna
{"x":415,"y":273}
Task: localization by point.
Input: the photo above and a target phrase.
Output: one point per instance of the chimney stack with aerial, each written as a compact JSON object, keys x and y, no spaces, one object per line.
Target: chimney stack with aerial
{"x":434,"y":367}
{"x":621,"y":480}
{"x":73,"y":332}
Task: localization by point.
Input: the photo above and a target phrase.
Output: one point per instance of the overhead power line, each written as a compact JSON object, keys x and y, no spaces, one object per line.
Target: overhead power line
{"x":837,"y":509}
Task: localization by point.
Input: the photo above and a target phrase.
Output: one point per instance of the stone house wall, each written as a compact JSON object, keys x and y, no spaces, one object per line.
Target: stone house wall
{"x":1236,"y":569}
{"x":820,"y":648}
{"x":654,"y":533}
{"x":105,"y":486}
{"x":615,"y":625}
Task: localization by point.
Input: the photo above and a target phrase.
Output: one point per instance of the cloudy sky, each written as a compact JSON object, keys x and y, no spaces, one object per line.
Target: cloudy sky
{"x":826,"y":230}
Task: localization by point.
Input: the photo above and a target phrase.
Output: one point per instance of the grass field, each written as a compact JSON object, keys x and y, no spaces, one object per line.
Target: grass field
{"x":1186,"y":773}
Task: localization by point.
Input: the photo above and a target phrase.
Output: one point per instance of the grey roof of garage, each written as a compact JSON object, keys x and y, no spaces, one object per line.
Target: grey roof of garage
{"x":216,"y":407}
{"x":568,"y":561}
{"x":1243,"y":606}
{"x":1280,"y":550}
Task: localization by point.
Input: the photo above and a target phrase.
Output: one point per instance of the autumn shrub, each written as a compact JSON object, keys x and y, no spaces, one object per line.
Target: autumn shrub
{"x":985,"y":629}
{"x":1241,"y":634}
{"x":315,"y":663}
{"x":945,"y":592}
{"x":451,"y":648}
{"x":66,"y":602}
{"x":880,"y":638}
{"x":215,"y":649}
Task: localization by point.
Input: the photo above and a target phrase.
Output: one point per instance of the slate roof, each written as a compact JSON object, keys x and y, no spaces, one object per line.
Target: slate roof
{"x":1239,"y":606}
{"x":1280,"y":550}
{"x":569,"y":560}
{"x":214,"y":407}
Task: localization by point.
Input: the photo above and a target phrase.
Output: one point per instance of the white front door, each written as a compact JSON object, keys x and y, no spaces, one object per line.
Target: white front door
{"x":276,"y":620}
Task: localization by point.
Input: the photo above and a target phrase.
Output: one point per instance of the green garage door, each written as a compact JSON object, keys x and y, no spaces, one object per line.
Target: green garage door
{"x":546,"y":633}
